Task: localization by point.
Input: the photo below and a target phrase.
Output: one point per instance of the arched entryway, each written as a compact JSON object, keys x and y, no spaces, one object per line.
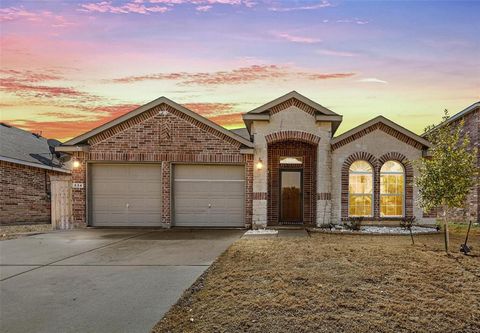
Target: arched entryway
{"x":291,"y":182}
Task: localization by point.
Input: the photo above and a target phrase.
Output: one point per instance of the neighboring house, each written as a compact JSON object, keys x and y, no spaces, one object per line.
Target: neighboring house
{"x":25,"y":168}
{"x":164,"y":165}
{"x":471,"y":118}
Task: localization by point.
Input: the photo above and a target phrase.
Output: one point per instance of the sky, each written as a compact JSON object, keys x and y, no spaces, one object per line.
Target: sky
{"x":70,"y":66}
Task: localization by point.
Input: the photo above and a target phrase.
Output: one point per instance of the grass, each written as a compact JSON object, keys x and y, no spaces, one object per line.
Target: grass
{"x":16,"y":231}
{"x":335,"y":283}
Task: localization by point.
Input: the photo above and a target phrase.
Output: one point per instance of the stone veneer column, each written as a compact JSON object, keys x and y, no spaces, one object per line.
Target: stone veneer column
{"x":259,"y":216}
{"x":324,"y":180}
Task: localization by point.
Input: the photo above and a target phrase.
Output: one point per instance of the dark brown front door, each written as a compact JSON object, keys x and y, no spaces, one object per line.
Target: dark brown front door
{"x":291,"y":197}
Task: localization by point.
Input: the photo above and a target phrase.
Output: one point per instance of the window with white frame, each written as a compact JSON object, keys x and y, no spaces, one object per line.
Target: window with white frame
{"x":392,"y":189}
{"x":360,"y":189}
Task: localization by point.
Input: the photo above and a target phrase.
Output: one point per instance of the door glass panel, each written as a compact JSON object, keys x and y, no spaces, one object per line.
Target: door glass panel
{"x":291,"y":196}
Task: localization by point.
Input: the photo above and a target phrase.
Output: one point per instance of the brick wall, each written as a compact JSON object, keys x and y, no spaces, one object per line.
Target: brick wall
{"x":24,"y":195}
{"x":297,"y":149}
{"x":472,"y":128}
{"x":162,"y":134}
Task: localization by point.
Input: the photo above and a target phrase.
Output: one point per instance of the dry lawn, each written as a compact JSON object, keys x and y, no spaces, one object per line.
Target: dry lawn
{"x":335,"y":283}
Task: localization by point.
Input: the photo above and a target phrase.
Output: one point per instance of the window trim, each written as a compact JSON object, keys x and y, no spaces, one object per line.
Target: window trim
{"x":299,"y":158}
{"x":402,"y":195}
{"x":372,"y":195}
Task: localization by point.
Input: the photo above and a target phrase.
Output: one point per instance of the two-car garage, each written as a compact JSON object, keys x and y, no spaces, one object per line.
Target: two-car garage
{"x":202,"y":195}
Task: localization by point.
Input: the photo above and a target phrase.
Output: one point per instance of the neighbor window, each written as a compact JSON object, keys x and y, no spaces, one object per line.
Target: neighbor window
{"x":291,"y":160}
{"x":360,"y":187}
{"x":392,"y":189}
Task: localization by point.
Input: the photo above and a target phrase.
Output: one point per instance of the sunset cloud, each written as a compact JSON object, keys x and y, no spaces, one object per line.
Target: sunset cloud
{"x":210,"y":109}
{"x":20,"y":13}
{"x":240,"y":75}
{"x":296,"y":38}
{"x":27,"y":83}
{"x":336,"y":53}
{"x":310,"y":6}
{"x":156,"y":6}
{"x":130,"y":7}
{"x":203,"y":8}
{"x":372,"y":80}
{"x":69,"y":125}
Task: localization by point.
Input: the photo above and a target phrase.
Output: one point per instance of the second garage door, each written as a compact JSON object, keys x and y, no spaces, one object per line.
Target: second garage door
{"x":125,"y":195}
{"x":209,"y":196}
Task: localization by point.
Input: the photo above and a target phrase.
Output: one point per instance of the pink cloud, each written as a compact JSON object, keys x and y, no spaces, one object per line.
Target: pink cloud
{"x":210,"y":109}
{"x":131,"y":7}
{"x":336,"y":53}
{"x":69,"y":125}
{"x":20,"y":13}
{"x":32,"y":84}
{"x":203,"y":8}
{"x":153,"y":6}
{"x":296,"y":39}
{"x":241,"y":75}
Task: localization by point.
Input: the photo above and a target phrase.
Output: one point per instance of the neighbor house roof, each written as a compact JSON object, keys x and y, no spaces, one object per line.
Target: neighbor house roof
{"x":456,"y":116}
{"x":82,"y":139}
{"x":22,"y":147}
{"x":363,"y":129}
{"x":321,"y":113}
{"x":243,"y":132}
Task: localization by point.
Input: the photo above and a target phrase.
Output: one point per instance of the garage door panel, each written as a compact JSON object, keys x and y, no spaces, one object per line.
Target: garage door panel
{"x":125,"y":194}
{"x":209,"y":195}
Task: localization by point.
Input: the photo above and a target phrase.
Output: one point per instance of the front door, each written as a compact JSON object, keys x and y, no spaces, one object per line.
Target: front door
{"x":291,"y":196}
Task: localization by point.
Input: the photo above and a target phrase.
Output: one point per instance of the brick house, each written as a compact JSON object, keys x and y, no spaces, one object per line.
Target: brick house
{"x":164,"y":165}
{"x":471,"y":119}
{"x":26,"y":165}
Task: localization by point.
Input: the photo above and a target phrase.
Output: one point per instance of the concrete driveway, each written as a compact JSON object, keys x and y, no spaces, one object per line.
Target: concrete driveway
{"x":101,"y":280}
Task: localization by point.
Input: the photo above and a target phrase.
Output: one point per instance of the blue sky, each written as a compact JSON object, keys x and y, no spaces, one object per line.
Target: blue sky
{"x":69,"y":66}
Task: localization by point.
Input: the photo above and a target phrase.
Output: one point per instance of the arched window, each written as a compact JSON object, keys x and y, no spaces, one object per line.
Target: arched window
{"x":392,"y":189}
{"x":360,"y":189}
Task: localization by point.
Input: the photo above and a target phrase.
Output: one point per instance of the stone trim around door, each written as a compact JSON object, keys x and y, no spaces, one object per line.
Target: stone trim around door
{"x":292,"y":136}
{"x":309,"y":167}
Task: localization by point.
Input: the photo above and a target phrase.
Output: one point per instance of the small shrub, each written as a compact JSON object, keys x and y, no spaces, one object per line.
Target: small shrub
{"x":407,"y":223}
{"x":329,"y":226}
{"x":354,"y":223}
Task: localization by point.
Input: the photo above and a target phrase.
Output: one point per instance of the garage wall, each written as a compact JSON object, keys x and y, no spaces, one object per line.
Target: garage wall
{"x":161,"y":135}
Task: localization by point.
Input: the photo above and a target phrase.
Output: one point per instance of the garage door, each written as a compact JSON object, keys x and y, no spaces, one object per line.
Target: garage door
{"x":209,"y":196}
{"x":125,"y":195}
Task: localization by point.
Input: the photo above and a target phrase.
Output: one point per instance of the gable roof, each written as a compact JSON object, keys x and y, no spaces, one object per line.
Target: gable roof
{"x":365,"y":128}
{"x":320,"y":112}
{"x":82,"y":139}
{"x":293,"y":94}
{"x":23,"y":147}
{"x":456,"y":116}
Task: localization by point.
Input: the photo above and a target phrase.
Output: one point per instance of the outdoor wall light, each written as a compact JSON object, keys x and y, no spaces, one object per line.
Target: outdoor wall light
{"x":259,"y":164}
{"x":76,"y":164}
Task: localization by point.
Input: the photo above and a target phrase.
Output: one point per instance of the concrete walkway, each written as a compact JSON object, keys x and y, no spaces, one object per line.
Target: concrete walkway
{"x":101,"y":280}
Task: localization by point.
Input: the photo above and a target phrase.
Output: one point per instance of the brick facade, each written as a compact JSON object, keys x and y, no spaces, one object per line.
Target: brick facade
{"x":309,"y":154}
{"x":162,"y":135}
{"x":166,"y":134}
{"x":25,"y":194}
